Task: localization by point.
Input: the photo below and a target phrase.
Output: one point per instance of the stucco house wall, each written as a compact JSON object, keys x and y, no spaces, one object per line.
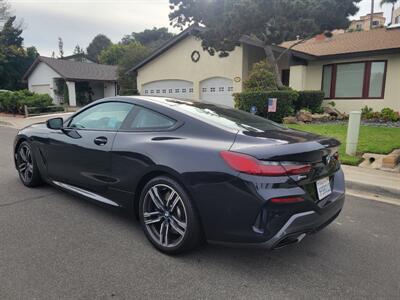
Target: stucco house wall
{"x":311,"y":75}
{"x":43,"y":75}
{"x":176,"y":64}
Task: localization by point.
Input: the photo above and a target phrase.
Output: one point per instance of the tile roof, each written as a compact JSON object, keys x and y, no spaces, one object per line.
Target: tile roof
{"x":349,"y":42}
{"x":74,"y":70}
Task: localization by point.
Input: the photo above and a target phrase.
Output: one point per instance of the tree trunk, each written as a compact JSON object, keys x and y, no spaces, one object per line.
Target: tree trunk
{"x":274,"y":64}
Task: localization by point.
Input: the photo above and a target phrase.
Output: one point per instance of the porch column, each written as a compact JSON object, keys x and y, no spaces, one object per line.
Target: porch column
{"x":71,"y":93}
{"x":297,"y":79}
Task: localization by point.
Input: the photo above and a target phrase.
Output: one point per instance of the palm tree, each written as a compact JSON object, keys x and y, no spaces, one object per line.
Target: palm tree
{"x":393,"y":2}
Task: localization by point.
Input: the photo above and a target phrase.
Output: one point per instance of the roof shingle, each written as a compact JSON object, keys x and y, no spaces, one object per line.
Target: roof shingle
{"x":350,"y":42}
{"x":74,"y":70}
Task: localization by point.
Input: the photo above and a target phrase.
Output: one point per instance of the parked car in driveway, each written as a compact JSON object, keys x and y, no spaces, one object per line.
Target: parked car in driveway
{"x":191,"y":171}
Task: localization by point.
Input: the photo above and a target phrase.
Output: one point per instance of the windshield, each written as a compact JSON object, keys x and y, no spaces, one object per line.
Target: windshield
{"x":226,"y":116}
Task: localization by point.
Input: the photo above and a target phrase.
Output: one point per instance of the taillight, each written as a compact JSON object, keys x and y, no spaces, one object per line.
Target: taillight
{"x":336,"y":155}
{"x":250,"y":165}
{"x":287,"y":200}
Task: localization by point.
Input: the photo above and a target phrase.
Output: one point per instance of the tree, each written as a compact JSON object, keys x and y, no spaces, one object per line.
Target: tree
{"x":60,"y":47}
{"x":393,"y":3}
{"x":125,"y":56}
{"x":260,"y":79}
{"x":98,"y":44}
{"x":14,"y":59}
{"x":266,"y":22}
{"x":78,"y":50}
{"x":112,"y":55}
{"x":151,"y":38}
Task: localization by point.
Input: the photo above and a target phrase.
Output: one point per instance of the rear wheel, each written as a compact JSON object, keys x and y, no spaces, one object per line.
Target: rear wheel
{"x":168,"y":216}
{"x":27,"y":167}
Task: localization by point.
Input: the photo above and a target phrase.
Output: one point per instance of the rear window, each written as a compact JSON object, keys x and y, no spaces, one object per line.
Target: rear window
{"x":226,"y":116}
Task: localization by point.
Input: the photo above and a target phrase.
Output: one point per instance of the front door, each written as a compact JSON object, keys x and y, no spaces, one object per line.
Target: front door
{"x":80,"y":154}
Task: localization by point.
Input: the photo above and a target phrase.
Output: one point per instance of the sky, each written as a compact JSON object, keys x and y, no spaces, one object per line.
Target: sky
{"x":78,"y":21}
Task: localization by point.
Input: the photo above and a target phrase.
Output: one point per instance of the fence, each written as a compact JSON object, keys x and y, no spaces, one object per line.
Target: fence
{"x":37,"y":111}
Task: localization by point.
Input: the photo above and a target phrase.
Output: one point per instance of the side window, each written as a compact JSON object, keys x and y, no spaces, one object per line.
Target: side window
{"x":148,"y":119}
{"x":106,"y":116}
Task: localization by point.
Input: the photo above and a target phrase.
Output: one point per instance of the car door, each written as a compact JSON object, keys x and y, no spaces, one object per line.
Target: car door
{"x":80,"y":154}
{"x":137,"y":147}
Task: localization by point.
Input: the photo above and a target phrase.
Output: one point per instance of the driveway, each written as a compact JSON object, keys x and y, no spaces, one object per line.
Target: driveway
{"x":54,"y":245}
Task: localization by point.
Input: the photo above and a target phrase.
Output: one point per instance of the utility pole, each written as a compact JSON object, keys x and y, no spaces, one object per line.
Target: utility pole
{"x":372,"y":13}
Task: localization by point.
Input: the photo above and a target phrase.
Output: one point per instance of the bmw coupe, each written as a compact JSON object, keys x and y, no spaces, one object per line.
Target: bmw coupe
{"x":191,"y":171}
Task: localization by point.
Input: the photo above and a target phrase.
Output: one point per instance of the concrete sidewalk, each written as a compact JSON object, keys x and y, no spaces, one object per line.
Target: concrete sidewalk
{"x":386,"y":184}
{"x":21,"y":122}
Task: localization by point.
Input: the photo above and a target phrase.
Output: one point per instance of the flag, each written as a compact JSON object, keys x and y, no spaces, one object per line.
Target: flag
{"x":272,"y":103}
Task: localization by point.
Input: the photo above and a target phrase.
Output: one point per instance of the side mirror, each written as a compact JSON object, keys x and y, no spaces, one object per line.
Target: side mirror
{"x":55,"y":123}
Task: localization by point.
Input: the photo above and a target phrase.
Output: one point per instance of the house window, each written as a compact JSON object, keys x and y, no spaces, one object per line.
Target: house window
{"x":358,"y":80}
{"x":358,"y":26}
{"x":375,"y":23}
{"x":212,"y":89}
{"x":176,"y":90}
{"x":183,"y":90}
{"x":204,"y":90}
{"x":221,"y":89}
{"x":230,"y":88}
{"x":146,"y":91}
{"x":158,"y":91}
{"x":170,"y":91}
{"x":164,"y":91}
{"x":152,"y":92}
{"x":191,"y":90}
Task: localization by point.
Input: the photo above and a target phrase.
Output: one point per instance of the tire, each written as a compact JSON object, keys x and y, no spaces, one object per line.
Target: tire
{"x":178,"y":225}
{"x":28,"y":170}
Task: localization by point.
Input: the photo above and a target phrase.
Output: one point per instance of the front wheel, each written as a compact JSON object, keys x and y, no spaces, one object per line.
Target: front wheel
{"x":27,"y":168}
{"x":168,"y":216}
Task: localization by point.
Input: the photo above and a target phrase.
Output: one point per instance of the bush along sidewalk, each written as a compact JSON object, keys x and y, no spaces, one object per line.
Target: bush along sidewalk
{"x":14,"y":102}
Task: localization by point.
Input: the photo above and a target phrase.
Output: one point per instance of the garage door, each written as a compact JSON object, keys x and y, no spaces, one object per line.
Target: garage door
{"x":218,"y":90}
{"x":41,"y":88}
{"x":169,"y":88}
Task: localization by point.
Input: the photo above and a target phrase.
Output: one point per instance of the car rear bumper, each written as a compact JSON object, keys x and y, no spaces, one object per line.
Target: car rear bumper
{"x":298,"y":226}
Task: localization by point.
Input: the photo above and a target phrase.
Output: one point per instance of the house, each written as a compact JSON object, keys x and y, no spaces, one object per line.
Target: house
{"x":364,"y":23}
{"x":45,"y":73}
{"x":354,"y":69}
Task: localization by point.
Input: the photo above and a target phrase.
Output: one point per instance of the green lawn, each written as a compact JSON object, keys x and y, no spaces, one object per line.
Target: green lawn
{"x":379,"y":140}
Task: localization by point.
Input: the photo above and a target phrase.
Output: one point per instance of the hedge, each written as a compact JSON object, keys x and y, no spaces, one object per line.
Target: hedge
{"x":311,"y":100}
{"x":13,"y":102}
{"x":285,"y":104}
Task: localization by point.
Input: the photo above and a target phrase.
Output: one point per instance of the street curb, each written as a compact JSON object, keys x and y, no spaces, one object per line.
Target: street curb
{"x":373,"y":189}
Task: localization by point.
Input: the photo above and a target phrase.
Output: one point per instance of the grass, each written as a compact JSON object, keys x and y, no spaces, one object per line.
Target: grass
{"x":380,"y":140}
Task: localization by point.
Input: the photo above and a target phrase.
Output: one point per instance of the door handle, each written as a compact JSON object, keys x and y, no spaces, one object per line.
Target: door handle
{"x":101,"y":140}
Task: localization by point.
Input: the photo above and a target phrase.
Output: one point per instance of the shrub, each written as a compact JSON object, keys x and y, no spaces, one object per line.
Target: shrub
{"x":246,"y":100}
{"x":13,"y":102}
{"x":311,"y":100}
{"x":367,"y":112}
{"x":388,"y":114}
{"x":260,"y":79}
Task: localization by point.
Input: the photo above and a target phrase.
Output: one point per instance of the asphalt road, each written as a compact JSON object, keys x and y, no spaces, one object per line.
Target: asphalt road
{"x":54,"y":245}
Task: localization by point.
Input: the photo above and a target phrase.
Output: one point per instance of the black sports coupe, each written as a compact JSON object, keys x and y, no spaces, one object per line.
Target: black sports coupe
{"x":191,"y":171}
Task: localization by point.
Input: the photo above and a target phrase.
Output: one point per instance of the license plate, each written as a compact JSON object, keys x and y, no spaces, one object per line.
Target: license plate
{"x":323,"y":188}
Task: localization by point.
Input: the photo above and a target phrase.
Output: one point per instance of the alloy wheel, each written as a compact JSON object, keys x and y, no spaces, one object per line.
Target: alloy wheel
{"x":164,"y":215}
{"x":25,"y":163}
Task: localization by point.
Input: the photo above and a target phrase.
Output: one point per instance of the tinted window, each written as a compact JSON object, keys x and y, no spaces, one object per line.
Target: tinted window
{"x":147,"y":118}
{"x":226,"y":116}
{"x":107,"y":116}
